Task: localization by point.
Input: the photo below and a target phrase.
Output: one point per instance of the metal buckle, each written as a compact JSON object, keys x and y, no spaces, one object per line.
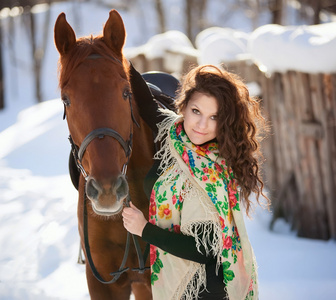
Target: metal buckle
{"x":124,"y":169}
{"x":80,"y":166}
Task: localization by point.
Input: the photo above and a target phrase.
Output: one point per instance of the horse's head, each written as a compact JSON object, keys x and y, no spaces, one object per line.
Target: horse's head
{"x":95,"y":90}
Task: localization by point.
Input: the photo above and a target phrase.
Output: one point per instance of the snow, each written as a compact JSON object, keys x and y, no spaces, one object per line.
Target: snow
{"x":158,"y":44}
{"x":296,"y":48}
{"x":39,"y":238}
{"x":217,"y":45}
{"x":273,"y":48}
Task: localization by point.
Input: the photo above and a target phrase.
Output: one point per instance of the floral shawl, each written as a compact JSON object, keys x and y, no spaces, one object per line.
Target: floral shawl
{"x":195,"y":194}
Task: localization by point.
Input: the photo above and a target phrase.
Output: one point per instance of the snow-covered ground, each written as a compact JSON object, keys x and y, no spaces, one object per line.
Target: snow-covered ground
{"x":38,"y":236}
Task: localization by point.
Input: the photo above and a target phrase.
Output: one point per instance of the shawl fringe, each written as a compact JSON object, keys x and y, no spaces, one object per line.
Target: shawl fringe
{"x":200,"y":229}
{"x":167,"y":160}
{"x":189,"y":289}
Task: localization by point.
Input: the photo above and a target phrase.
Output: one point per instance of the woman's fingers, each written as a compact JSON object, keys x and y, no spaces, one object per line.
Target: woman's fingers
{"x":133,"y":219}
{"x":134,"y":207}
{"x":131,"y":209}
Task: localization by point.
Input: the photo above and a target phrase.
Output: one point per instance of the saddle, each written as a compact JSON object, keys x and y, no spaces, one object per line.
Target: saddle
{"x":163,"y":87}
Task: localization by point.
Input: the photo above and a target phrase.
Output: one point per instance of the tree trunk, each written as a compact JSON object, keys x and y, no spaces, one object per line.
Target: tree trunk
{"x":161,"y":15}
{"x":276,"y":9}
{"x":188,"y":18}
{"x":194,"y":10}
{"x":201,"y":9}
{"x":38,"y":51}
{"x":36,"y":65}
{"x":317,"y":6}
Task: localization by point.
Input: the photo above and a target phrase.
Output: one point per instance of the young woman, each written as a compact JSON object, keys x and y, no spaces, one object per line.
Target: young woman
{"x":205,"y":171}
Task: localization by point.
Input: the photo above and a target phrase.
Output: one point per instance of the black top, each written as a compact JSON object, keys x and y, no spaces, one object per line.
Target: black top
{"x":177,"y":244}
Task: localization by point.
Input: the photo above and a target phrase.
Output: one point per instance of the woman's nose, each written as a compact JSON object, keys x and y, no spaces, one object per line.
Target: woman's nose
{"x":202,"y":123}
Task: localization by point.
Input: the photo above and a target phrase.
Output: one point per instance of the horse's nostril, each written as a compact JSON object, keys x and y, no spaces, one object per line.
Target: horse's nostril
{"x":121,"y":187}
{"x":92,"y":189}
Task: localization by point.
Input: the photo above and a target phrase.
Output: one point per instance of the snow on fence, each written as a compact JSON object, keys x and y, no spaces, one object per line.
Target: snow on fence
{"x":171,"y":52}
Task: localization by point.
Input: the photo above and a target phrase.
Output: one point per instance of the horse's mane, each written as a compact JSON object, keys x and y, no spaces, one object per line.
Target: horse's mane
{"x":85,"y":46}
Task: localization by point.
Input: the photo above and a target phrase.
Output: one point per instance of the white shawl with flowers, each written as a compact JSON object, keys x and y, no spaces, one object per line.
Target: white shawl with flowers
{"x":195,"y":194}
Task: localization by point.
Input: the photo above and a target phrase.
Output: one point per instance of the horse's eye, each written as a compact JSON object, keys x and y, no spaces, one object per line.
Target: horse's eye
{"x":65,"y":100}
{"x":127,"y":94}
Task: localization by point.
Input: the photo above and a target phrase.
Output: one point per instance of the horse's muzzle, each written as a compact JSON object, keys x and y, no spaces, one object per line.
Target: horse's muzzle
{"x":107,"y":199}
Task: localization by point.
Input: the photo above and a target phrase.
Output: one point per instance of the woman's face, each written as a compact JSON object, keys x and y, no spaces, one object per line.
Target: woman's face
{"x":200,"y":118}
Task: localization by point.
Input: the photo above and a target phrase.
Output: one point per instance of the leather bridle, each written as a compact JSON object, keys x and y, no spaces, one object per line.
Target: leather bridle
{"x":100,"y":133}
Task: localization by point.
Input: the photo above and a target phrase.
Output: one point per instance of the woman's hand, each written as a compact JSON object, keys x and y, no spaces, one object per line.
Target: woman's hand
{"x":133,"y":219}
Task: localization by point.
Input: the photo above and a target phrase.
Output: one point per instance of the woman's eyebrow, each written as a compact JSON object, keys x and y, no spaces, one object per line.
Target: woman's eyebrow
{"x":194,"y":105}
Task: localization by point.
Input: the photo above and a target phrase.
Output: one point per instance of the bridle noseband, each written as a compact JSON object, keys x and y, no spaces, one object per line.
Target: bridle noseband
{"x":78,"y":152}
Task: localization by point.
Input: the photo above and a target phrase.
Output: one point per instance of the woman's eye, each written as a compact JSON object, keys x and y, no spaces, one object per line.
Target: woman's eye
{"x":195,"y":111}
{"x":65,"y":100}
{"x":213,"y":118}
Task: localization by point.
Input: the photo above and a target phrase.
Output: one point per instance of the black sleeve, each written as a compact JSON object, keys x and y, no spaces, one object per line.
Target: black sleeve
{"x":148,"y":108}
{"x":177,"y":244}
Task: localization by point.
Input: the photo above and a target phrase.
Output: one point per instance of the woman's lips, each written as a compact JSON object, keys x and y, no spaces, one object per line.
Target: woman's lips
{"x":197,"y":132}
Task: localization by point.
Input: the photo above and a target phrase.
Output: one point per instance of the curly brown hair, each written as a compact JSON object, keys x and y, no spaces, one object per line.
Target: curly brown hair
{"x":239,"y":123}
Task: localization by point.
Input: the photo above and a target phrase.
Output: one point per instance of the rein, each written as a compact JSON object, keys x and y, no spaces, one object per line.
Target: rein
{"x":141,"y":258}
{"x":78,"y":153}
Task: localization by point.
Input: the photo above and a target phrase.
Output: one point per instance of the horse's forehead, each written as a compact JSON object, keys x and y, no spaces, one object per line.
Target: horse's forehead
{"x":100,"y":71}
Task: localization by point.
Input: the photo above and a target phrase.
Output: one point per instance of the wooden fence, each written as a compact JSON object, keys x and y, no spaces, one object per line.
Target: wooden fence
{"x":300,"y":152}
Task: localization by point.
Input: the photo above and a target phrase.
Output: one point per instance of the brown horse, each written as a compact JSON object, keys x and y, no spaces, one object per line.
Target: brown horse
{"x":102,"y":120}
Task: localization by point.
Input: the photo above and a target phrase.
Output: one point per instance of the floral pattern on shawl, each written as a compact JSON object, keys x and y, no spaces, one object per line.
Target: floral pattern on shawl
{"x":215,"y":175}
{"x":158,"y":209}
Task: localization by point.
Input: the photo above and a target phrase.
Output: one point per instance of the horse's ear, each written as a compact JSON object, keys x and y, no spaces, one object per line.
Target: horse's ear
{"x":65,"y":37}
{"x":114,"y":32}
